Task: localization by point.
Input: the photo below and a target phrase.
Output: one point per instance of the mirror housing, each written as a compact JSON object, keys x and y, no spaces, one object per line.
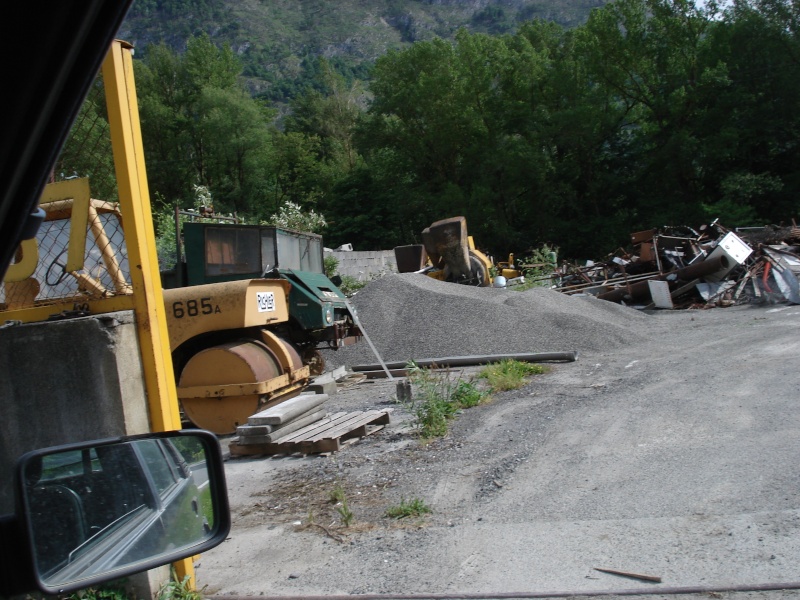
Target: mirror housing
{"x":92,"y":512}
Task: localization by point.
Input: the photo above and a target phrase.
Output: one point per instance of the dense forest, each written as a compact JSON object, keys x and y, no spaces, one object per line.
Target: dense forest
{"x":651,"y":113}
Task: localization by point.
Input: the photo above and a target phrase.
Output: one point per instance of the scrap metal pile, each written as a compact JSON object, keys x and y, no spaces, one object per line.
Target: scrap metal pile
{"x":688,"y":268}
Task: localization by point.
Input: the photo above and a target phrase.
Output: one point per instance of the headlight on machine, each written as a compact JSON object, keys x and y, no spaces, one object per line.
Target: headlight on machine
{"x":328,"y":314}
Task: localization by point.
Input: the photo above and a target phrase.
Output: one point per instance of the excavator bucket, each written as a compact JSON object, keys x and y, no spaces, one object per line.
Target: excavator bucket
{"x":448,"y":247}
{"x":447,"y":241}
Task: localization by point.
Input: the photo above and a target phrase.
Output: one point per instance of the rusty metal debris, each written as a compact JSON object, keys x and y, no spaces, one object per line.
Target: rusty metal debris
{"x":694,"y":268}
{"x":640,"y":576}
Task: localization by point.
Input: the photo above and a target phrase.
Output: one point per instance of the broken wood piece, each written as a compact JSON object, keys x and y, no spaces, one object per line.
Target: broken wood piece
{"x":639,"y":576}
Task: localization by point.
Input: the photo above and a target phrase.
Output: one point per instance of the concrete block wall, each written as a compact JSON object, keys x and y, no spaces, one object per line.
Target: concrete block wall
{"x":68,"y":381}
{"x":364,"y":265}
{"x":71,"y":381}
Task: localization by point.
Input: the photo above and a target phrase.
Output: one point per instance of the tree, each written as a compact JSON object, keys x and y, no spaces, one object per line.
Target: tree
{"x":331,"y":115}
{"x":236,"y":139}
{"x":648,"y":54}
{"x":201,"y":128}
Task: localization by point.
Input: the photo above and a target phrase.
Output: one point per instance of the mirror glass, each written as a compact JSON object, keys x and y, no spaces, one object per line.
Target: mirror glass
{"x":98,"y":509}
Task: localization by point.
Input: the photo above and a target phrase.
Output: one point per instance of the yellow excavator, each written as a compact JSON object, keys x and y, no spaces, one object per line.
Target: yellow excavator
{"x":448,"y":253}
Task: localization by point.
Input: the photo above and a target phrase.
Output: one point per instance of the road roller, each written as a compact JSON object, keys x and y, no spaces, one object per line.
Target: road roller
{"x":246,"y":309}
{"x":248,"y":306}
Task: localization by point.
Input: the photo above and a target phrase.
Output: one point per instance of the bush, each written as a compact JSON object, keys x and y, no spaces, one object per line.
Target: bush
{"x":350,"y":285}
{"x":330,"y":264}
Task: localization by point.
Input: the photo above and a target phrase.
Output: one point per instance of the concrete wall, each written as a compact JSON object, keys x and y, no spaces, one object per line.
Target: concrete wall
{"x":70,"y":381}
{"x":364,"y":265}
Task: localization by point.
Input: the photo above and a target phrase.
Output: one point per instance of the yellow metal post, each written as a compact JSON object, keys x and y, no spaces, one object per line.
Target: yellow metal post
{"x":134,"y":196}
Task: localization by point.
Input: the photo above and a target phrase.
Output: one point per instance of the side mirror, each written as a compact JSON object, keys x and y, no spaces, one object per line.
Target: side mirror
{"x":102,"y":510}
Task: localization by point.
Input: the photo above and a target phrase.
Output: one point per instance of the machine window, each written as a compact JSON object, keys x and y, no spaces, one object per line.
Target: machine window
{"x":232,"y":251}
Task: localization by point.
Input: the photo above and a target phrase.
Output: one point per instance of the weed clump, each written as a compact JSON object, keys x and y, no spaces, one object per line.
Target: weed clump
{"x":509,"y":374}
{"x":178,"y":589}
{"x":339,"y":499}
{"x":437,"y":398}
{"x":411,"y":508}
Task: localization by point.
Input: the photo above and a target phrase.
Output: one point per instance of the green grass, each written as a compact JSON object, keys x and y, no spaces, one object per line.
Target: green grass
{"x":437,"y":397}
{"x":509,"y":374}
{"x":412,"y":508}
{"x":539,"y":275}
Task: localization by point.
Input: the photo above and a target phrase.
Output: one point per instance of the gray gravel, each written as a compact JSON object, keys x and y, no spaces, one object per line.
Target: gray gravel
{"x":673,"y":454}
{"x":411,"y":316}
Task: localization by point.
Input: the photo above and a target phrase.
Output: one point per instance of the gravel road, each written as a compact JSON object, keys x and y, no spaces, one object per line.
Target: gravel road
{"x":669,"y":448}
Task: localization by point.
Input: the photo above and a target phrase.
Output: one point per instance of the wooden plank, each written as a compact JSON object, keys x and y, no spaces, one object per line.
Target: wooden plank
{"x":284,"y":412}
{"x":237,"y":450}
{"x":325,"y":445}
{"x":357,"y":421}
{"x":313,"y":428}
{"x":328,"y":435}
{"x":283,"y":431}
{"x":346,"y":424}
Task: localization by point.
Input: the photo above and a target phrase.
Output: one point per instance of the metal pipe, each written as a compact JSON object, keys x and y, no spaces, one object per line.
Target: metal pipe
{"x":641,"y":289}
{"x":357,"y":321}
{"x":178,"y":249}
{"x":648,"y":591}
{"x":107,"y":254}
{"x":467,"y":361}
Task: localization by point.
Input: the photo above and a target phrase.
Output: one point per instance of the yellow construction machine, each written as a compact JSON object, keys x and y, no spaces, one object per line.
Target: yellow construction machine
{"x":234,"y":344}
{"x":448,"y":253}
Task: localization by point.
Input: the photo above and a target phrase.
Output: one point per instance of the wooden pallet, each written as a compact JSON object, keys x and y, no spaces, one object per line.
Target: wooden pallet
{"x":325,"y":435}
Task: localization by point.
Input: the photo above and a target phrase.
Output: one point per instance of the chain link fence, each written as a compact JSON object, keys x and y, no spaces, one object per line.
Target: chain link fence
{"x":60,"y":276}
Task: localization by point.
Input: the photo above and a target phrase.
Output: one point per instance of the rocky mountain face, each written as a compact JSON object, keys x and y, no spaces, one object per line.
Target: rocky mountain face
{"x":279,"y":40}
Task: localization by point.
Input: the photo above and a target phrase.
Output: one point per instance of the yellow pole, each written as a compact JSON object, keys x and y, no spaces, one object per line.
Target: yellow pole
{"x":134,"y":196}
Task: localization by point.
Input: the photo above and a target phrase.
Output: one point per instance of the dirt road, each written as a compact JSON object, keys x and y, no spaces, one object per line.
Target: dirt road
{"x":675,"y":456}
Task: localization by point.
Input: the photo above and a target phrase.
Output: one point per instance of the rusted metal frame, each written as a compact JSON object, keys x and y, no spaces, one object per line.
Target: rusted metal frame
{"x":742,"y":283}
{"x":121,"y":285}
{"x":257,"y":388}
{"x":656,"y":253}
{"x":45,"y":311}
{"x":612,"y":281}
{"x":641,"y":289}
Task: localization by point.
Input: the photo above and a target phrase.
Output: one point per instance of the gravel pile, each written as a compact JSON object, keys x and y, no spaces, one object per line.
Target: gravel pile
{"x":411,"y":316}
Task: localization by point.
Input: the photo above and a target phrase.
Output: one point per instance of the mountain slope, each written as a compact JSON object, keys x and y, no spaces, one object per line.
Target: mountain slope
{"x":279,"y":40}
